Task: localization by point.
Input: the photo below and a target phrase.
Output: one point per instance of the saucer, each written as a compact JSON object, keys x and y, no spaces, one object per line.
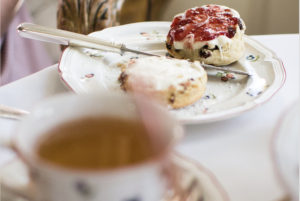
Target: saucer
{"x":194,"y":182}
{"x":285,"y":149}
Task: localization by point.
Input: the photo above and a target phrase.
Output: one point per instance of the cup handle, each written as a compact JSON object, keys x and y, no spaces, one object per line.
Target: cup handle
{"x":13,"y":114}
{"x":16,"y":185}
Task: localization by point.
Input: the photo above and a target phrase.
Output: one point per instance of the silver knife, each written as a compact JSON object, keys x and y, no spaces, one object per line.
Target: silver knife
{"x":62,"y":37}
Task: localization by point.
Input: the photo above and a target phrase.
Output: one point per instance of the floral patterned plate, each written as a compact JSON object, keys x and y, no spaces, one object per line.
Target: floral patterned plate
{"x":227,"y":95}
{"x":195,"y":182}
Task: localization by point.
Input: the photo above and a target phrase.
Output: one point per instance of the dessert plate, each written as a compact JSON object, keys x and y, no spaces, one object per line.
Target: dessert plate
{"x":227,"y":95}
{"x":194,"y":182}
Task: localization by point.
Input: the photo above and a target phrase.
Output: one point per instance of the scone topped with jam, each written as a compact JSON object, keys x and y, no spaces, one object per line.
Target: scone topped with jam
{"x":212,"y":34}
{"x":175,"y":82}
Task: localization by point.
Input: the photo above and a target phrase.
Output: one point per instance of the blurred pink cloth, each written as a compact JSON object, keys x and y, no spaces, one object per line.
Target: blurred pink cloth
{"x":19,"y":56}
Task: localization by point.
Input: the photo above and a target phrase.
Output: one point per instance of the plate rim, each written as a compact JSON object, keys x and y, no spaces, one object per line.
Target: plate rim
{"x":275,"y":86}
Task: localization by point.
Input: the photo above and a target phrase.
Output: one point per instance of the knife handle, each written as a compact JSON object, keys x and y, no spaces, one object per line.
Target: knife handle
{"x":62,"y":37}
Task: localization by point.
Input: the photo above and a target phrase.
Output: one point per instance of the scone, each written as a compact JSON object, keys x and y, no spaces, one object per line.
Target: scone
{"x":211,"y":34}
{"x":175,"y":82}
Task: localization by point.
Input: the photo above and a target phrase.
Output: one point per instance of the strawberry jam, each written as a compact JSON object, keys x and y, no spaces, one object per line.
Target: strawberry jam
{"x":204,"y":23}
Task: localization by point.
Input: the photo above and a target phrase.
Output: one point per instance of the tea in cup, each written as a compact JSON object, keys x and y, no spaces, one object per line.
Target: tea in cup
{"x":98,"y":147}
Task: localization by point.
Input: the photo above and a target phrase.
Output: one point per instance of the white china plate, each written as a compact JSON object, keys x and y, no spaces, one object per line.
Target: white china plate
{"x":85,"y":70}
{"x":195,"y":182}
{"x":286,"y":149}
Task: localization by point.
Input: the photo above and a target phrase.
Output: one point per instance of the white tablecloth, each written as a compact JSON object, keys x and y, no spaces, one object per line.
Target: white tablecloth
{"x":237,"y":151}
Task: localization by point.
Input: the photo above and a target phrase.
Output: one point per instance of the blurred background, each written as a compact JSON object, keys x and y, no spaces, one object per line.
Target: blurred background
{"x":260,"y":16}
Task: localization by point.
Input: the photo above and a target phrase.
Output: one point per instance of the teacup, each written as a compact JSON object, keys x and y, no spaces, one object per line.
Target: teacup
{"x":144,"y":180}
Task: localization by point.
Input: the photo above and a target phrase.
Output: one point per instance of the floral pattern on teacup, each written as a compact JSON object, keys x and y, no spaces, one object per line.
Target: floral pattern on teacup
{"x":83,"y":188}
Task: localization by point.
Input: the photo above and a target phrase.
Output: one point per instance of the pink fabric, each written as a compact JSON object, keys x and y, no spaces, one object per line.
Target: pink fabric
{"x":19,"y":56}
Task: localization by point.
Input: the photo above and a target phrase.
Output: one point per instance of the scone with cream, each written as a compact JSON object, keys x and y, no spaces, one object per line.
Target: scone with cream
{"x":175,"y":82}
{"x":212,"y":34}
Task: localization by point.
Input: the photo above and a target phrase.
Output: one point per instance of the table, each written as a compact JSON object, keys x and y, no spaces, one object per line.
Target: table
{"x":237,"y":151}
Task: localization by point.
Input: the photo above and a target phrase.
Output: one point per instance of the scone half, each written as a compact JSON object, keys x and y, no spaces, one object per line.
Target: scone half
{"x":177,"y":83}
{"x":211,"y":34}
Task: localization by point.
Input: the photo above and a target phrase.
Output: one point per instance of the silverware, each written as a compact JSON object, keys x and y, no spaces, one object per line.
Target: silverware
{"x":62,"y":37}
{"x":12,"y":113}
{"x":225,"y":69}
